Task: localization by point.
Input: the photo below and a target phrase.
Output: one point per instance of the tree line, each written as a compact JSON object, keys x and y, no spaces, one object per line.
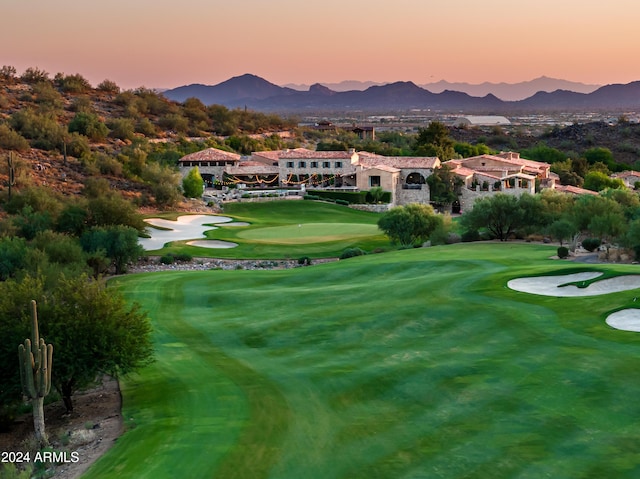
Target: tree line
{"x":56,"y":250}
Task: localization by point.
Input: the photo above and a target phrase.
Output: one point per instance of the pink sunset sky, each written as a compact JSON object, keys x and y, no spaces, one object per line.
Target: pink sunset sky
{"x":164,"y":44}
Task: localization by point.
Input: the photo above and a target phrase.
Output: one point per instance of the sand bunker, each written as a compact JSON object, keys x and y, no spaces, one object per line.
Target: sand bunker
{"x":625,"y":320}
{"x":184,"y":228}
{"x":212,"y":244}
{"x":551,"y":285}
{"x":236,"y":223}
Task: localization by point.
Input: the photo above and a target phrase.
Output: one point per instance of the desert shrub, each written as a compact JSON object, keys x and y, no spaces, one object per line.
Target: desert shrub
{"x":304,"y":261}
{"x":590,"y":244}
{"x":78,"y":145}
{"x":167,"y":259}
{"x":563,"y":252}
{"x":89,"y":125}
{"x":108,"y":165}
{"x":34,"y":75}
{"x":352,"y":252}
{"x":109,"y":86}
{"x":11,"y":139}
{"x":122,"y":128}
{"x":75,"y":83}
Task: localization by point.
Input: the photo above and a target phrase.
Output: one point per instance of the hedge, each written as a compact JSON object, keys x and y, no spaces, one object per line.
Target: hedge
{"x":353,"y":197}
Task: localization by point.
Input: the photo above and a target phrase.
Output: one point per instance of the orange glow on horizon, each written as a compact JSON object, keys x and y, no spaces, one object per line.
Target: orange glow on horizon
{"x":165,"y":44}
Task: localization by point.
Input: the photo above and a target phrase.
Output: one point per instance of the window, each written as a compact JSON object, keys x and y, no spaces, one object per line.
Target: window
{"x":374,"y":181}
{"x":326,"y":164}
{"x":314,"y":164}
{"x":338,"y":164}
{"x":289,"y":164}
{"x":302,"y":164}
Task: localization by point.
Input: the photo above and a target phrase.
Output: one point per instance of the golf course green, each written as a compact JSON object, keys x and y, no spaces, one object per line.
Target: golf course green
{"x":411,"y":364}
{"x":289,"y":230}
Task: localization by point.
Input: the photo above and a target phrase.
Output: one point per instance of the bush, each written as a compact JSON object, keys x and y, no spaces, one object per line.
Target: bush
{"x":167,"y":259}
{"x":342,"y":202}
{"x":590,"y":244}
{"x":351,"y":252}
{"x":563,"y":252}
{"x":182,"y":257}
{"x":304,"y":261}
{"x":310,"y":197}
{"x":11,"y":139}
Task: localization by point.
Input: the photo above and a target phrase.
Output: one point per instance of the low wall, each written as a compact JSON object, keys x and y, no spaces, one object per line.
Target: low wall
{"x":373,"y":208}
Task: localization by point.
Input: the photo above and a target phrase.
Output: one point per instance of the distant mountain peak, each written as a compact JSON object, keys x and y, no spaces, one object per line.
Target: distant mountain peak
{"x":321,"y":89}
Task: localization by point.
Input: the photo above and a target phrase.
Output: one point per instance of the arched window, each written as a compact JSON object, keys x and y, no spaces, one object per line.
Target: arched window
{"x":415,"y":179}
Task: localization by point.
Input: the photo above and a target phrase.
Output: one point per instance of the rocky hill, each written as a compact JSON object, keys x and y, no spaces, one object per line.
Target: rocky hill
{"x":63,"y":130}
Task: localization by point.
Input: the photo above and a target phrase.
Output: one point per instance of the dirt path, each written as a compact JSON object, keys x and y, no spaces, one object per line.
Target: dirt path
{"x":86,"y":434}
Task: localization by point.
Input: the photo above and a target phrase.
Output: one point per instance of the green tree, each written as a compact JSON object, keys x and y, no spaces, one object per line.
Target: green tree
{"x":500,"y":214}
{"x":92,"y":328}
{"x":119,"y":243}
{"x":409,"y":225}
{"x":435,"y":141}
{"x":95,"y":332}
{"x":443,"y":185}
{"x":598,"y":181}
{"x":193,"y":184}
{"x":164,"y":183}
{"x":562,"y":229}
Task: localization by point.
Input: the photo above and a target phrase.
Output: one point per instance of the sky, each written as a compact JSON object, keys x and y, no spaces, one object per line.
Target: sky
{"x":165,"y":44}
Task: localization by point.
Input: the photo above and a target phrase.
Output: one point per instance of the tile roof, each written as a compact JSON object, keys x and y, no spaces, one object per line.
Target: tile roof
{"x":389,"y":169}
{"x":574,"y":190}
{"x":402,"y":162}
{"x":252,"y":168}
{"x":305,"y":154}
{"x":210,"y":154}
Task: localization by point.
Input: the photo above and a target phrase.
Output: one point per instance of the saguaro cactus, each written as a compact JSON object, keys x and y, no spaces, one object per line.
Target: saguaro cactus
{"x":35,"y":373}
{"x":12,"y":172}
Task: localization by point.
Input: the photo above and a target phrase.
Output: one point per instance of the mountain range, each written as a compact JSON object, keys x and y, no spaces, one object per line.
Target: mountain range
{"x":504,"y":91}
{"x":251,"y":91}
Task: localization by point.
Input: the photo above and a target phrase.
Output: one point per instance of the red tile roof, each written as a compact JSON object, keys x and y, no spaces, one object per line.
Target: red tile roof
{"x":402,"y":162}
{"x":305,"y":154}
{"x":210,"y":154}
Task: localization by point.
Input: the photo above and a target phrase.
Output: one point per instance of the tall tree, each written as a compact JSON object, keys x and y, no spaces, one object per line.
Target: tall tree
{"x":435,"y":141}
{"x":501,"y":215}
{"x":409,"y":225}
{"x":193,"y":184}
{"x":93,"y":329}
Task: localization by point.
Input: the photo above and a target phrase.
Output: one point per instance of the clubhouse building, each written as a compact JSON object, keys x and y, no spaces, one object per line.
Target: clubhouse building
{"x":405,"y":177}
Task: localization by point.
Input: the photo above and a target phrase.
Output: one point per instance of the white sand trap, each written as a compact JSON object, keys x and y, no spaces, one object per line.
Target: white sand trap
{"x":625,"y":320}
{"x":212,"y":244}
{"x":550,"y":285}
{"x":186,"y":227}
{"x":236,"y":223}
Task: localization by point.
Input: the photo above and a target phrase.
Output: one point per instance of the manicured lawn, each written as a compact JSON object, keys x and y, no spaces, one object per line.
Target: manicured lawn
{"x":410,"y":364}
{"x":290,"y":229}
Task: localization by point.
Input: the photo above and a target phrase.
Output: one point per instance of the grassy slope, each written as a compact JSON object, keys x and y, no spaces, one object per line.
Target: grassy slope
{"x":280,"y":220}
{"x":416,"y":363}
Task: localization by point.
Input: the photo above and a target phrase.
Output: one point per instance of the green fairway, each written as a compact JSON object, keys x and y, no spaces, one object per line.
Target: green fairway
{"x":290,"y":229}
{"x":411,"y":364}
